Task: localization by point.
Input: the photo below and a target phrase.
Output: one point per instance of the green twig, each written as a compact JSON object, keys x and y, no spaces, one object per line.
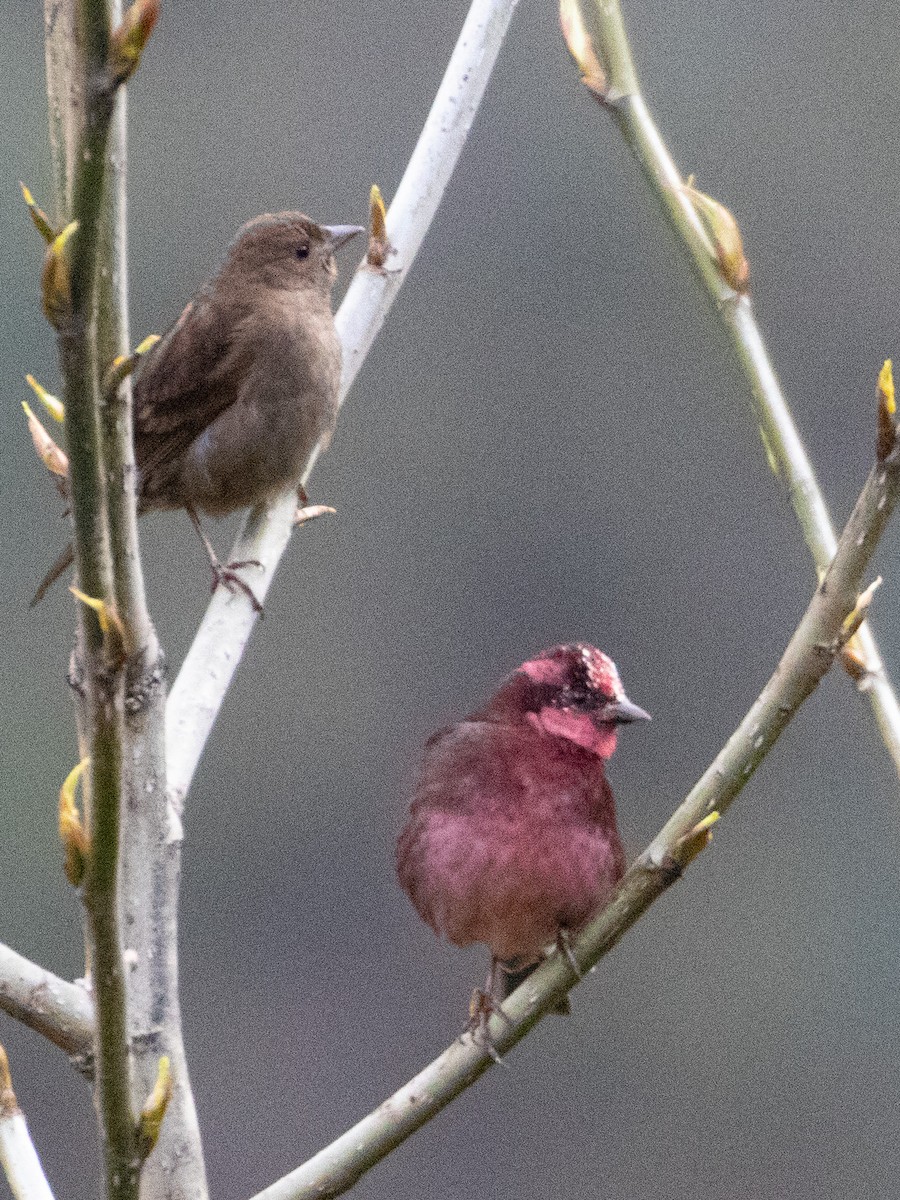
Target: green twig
{"x":612,"y":79}
{"x":90,"y":327}
{"x":830,"y":620}
{"x":113,"y":1065}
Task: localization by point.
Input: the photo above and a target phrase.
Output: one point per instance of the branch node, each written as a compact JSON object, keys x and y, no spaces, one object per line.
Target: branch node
{"x":143,"y":681}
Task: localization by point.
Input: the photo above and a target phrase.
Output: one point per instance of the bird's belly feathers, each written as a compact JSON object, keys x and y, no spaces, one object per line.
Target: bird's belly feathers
{"x":510,"y":883}
{"x":262,"y":443}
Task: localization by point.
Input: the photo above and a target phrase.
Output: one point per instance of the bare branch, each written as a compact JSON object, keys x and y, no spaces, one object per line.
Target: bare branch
{"x":200,"y":688}
{"x":599,"y":43}
{"x":61,"y":1011}
{"x":118,"y":673}
{"x":830,"y":620}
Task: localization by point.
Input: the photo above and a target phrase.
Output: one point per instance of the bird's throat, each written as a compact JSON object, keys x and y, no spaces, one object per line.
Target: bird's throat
{"x":577,"y":727}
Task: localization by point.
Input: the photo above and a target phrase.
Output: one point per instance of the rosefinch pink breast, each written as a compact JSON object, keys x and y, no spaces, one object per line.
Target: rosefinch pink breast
{"x":512,"y":838}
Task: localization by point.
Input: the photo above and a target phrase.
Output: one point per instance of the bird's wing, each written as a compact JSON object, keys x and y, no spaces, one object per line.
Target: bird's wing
{"x":181,"y":387}
{"x":470,"y":762}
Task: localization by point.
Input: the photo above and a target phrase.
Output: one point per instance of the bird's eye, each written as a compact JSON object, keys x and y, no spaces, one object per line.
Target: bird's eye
{"x":303,"y":250}
{"x":580,"y":697}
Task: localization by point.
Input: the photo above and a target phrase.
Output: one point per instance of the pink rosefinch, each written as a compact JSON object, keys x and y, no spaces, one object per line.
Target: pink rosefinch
{"x":512,"y":838}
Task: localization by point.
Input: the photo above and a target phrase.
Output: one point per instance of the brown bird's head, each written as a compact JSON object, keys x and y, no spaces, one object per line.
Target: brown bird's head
{"x":287,"y":251}
{"x":571,"y":691}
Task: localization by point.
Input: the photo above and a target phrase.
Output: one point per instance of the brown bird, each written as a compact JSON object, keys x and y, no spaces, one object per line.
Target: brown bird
{"x":512,"y":837}
{"x":231,"y":403}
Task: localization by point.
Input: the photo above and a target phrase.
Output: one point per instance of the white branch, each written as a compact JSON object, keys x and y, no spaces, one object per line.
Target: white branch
{"x":18,"y":1156}
{"x":61,"y":1011}
{"x":207,"y":671}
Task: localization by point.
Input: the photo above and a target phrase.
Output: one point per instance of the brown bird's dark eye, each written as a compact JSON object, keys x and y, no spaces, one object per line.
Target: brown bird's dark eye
{"x":303,"y":250}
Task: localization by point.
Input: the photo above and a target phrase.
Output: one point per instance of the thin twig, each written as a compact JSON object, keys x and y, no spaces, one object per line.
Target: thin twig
{"x":200,"y":688}
{"x":61,"y":1011}
{"x":823,"y":630}
{"x":150,"y":854}
{"x":18,"y":1156}
{"x":619,"y":93}
{"x":87,"y":308}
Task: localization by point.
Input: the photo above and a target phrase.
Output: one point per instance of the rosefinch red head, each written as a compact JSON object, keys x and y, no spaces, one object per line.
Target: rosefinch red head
{"x":512,"y":837}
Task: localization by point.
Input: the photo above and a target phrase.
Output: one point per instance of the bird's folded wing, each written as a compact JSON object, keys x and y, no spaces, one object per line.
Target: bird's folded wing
{"x":184,"y":383}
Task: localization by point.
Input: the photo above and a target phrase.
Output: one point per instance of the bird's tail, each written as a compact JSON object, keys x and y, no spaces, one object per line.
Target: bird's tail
{"x":65,"y":560}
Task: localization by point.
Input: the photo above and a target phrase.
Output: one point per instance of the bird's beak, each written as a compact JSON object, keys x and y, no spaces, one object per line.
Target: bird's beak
{"x":622,"y":712}
{"x":338,"y":234}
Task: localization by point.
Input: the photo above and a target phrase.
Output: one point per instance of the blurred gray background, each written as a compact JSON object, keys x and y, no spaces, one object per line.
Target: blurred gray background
{"x":549,"y":441}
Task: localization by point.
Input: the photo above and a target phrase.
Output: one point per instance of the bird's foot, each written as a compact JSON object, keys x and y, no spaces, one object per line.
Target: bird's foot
{"x":482,"y":1007}
{"x":306,"y":511}
{"x":227,"y":575}
{"x":309,"y":512}
{"x":564,"y":947}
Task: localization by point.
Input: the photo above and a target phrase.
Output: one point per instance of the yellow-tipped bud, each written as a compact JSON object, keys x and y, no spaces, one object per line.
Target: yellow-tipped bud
{"x":147,"y":344}
{"x":56,"y":292}
{"x":581,"y":47}
{"x":52,"y":405}
{"x":151,"y":1118}
{"x":40,"y":218}
{"x":130,"y":38}
{"x":53,"y":458}
{"x":696,"y":839}
{"x":854,"y":619}
{"x":725,"y":236}
{"x":114,"y":640}
{"x":107,"y":617}
{"x":379,"y":246}
{"x":71,"y":828}
{"x":124,"y":364}
{"x":887,"y":412}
